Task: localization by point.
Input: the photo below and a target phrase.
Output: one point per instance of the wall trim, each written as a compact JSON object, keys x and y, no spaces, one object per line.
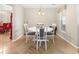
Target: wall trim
{"x":17,"y":38}
{"x":68,"y":41}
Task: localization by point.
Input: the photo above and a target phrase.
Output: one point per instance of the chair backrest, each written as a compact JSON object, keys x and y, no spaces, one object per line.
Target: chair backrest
{"x":53,"y":26}
{"x":25,"y":27}
{"x":41,"y":35}
{"x":40,"y":25}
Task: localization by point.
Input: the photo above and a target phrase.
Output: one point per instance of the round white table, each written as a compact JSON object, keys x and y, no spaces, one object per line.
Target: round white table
{"x":34,"y":29}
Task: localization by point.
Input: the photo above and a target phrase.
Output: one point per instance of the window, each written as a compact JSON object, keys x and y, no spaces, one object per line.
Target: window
{"x":63,"y":23}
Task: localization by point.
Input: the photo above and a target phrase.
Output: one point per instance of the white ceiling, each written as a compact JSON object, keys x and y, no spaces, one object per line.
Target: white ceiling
{"x":39,"y":5}
{"x":57,"y":6}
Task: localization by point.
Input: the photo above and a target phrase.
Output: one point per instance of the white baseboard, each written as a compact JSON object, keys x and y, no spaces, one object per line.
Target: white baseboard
{"x":17,"y":38}
{"x":68,"y":42}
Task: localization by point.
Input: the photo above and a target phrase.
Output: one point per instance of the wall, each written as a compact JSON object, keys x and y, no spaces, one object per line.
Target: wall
{"x":77,"y":11}
{"x":32,"y":17}
{"x":18,"y":20}
{"x":71,"y":25}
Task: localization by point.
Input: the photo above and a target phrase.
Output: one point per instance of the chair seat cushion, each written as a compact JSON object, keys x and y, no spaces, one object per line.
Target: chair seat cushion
{"x":31,"y":33}
{"x":49,"y":33}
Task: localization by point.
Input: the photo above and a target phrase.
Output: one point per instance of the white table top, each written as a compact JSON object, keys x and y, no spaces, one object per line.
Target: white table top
{"x":34,"y":29}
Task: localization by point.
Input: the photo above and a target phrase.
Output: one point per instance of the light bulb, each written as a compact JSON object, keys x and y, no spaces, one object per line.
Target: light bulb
{"x":39,"y":13}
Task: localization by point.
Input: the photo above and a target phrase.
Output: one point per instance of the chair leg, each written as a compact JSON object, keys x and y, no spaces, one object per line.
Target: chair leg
{"x":26,"y":39}
{"x":37,"y":45}
{"x":45,"y":45}
{"x":34,"y":41}
{"x":53,"y":40}
{"x":40,"y":43}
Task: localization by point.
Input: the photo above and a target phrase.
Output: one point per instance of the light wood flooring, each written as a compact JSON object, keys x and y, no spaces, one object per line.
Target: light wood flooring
{"x":22,"y":47}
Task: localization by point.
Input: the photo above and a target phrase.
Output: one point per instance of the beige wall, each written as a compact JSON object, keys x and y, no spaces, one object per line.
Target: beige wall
{"x":32,"y":18}
{"x":18,"y":21}
{"x":77,"y":11}
{"x":72,"y":22}
{"x":71,"y":25}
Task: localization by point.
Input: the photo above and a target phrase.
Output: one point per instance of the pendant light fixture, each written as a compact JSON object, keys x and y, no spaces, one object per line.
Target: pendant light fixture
{"x":40,"y":12}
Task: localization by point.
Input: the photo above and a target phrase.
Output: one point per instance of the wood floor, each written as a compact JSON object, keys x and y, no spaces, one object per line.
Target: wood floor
{"x":22,"y":47}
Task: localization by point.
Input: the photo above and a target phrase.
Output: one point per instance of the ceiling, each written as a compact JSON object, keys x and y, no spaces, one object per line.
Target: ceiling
{"x":41,"y":5}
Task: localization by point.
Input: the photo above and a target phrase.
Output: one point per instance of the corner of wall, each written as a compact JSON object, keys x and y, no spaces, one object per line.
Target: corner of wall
{"x":75,"y":46}
{"x":17,"y":38}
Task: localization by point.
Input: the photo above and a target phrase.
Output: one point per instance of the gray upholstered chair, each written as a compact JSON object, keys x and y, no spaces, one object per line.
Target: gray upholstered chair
{"x":41,"y":36}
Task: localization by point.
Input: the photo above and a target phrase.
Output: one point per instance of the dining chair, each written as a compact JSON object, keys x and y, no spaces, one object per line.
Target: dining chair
{"x":41,"y":36}
{"x":25,"y":28}
{"x":54,"y":26}
{"x":29,"y":34}
{"x":52,"y":33}
{"x":39,"y":25}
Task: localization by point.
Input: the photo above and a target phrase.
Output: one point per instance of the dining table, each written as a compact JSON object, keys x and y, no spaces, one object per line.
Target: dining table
{"x":34,"y":29}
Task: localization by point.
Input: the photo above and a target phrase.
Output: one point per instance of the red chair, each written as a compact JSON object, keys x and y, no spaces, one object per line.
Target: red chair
{"x":1,"y":29}
{"x":1,"y":26}
{"x":6,"y":26}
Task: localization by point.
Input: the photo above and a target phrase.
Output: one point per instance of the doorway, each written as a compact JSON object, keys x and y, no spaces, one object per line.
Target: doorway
{"x":5,"y":26}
